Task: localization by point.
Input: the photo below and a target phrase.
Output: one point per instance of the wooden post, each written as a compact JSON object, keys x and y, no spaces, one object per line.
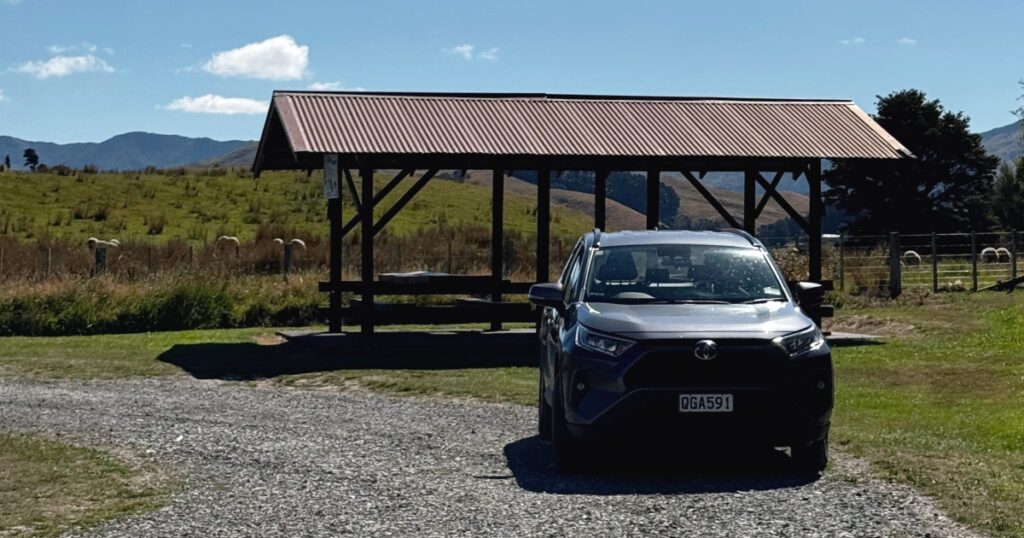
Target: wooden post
{"x":543,"y":224}
{"x":497,"y":236}
{"x":1013,"y":253}
{"x":935,"y":264}
{"x":749,"y":212}
{"x":334,"y":264}
{"x":974,"y":261}
{"x":842,"y":263}
{"x":814,"y":221}
{"x":101,"y":261}
{"x":49,"y":261}
{"x":366,"y":212}
{"x":895,"y":275}
{"x":600,"y":198}
{"x":653,"y":197}
{"x":286,"y":260}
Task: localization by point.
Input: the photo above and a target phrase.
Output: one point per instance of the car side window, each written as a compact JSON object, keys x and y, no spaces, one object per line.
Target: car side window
{"x":573,"y":270}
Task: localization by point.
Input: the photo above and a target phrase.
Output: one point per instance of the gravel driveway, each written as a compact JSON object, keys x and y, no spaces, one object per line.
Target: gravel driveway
{"x":268,"y":460}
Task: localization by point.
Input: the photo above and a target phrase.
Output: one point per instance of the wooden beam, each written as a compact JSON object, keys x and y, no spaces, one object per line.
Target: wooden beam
{"x":653,"y":197}
{"x":366,"y":176}
{"x":814,"y":221}
{"x":767,"y":195}
{"x":749,"y":211}
{"x":784,"y":204}
{"x":390,"y":213}
{"x":334,"y":299}
{"x":600,"y":198}
{"x":391,"y":185}
{"x":711,"y":199}
{"x":355,"y":194}
{"x":497,"y":236}
{"x":543,"y":225}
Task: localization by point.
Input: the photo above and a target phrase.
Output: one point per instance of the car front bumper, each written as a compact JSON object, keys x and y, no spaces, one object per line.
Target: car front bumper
{"x":776,"y":400}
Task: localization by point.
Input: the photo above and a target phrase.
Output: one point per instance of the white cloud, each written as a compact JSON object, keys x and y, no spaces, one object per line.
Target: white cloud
{"x":217,"y":104}
{"x":277,"y":58}
{"x":3,"y":97}
{"x":467,"y":52}
{"x":854,"y":41}
{"x":61,"y":66}
{"x":83,"y":46}
{"x":334,"y":87}
{"x":906,"y":41}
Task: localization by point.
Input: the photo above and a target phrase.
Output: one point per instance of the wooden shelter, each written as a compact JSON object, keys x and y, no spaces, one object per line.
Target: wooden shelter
{"x":369,"y":131}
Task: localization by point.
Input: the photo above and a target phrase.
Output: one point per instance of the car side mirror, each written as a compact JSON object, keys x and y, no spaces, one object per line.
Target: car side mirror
{"x":809,"y":294}
{"x":547,"y":294}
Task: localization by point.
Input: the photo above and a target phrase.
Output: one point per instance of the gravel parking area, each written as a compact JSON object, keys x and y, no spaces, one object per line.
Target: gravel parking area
{"x":267,"y":460}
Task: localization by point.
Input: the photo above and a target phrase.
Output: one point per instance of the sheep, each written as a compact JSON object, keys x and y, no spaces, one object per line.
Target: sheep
{"x":299,"y":242}
{"x":94,"y":243}
{"x":911,"y":257}
{"x":989,"y":255}
{"x":229,"y":239}
{"x":1003,"y":251}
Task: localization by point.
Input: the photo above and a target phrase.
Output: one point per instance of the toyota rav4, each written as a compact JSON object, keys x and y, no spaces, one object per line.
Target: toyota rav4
{"x":680,"y":334}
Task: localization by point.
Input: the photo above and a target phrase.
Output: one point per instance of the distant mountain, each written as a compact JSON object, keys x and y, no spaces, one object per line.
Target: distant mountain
{"x":243,"y":156}
{"x":1004,"y":142}
{"x":129,"y":151}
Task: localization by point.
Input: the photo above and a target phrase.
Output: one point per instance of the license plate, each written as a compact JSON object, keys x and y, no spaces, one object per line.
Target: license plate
{"x":705,"y":403}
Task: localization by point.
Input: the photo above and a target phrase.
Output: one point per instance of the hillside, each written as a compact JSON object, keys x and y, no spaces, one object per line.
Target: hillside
{"x":1004,"y":142}
{"x":129,"y":151}
{"x":200,"y":206}
{"x":242,"y":157}
{"x":694,"y":206}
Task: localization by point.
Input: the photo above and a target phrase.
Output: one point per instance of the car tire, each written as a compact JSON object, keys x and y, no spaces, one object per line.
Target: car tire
{"x":566,"y":449}
{"x":543,"y":412}
{"x":811,"y":458}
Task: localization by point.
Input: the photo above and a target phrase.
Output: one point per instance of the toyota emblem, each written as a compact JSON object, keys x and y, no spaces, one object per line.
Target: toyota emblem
{"x":705,"y":350}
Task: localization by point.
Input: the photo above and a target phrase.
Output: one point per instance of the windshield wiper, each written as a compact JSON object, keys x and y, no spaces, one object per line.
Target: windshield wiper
{"x":686,"y":301}
{"x":762,"y":300}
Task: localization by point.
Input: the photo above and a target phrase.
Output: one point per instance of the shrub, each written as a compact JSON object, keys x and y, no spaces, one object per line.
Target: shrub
{"x":156,"y":224}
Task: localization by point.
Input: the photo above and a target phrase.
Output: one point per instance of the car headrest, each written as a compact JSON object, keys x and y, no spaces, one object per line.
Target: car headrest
{"x":619,"y":266}
{"x":658,"y":275}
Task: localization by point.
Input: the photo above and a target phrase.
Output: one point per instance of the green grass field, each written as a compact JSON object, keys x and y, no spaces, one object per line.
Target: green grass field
{"x":200,"y":206}
{"x":49,"y":487}
{"x":936,"y":405}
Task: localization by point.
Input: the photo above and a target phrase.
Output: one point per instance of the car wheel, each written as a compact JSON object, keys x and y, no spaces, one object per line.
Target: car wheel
{"x":811,"y":458}
{"x":543,"y":412}
{"x":567,"y":450}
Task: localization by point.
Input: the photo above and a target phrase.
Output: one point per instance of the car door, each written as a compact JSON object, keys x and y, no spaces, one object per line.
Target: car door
{"x":552,"y":320}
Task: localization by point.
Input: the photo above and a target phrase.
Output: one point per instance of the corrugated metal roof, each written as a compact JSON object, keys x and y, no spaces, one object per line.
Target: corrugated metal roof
{"x":566,"y":125}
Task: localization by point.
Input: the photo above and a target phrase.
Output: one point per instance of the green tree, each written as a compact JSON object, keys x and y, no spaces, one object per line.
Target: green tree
{"x":31,"y":159}
{"x":1008,"y":195}
{"x":946,"y":187}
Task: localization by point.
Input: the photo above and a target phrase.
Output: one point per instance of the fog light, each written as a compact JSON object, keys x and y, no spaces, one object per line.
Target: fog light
{"x":580,"y":386}
{"x":821,"y":385}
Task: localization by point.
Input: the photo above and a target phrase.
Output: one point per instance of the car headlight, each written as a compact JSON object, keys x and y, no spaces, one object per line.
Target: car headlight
{"x":601,"y":343}
{"x":801,"y":342}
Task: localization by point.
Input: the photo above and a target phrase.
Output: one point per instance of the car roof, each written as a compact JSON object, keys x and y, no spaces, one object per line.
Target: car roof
{"x":674,"y":237}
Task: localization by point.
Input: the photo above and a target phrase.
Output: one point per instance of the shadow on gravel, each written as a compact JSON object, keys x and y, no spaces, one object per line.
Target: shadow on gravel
{"x":619,"y":471}
{"x":387,"y":351}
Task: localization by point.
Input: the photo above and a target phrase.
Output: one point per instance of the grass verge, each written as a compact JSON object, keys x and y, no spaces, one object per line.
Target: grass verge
{"x":48,"y":487}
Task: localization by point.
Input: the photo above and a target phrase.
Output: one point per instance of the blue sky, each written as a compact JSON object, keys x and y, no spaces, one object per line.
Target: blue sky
{"x":85,"y":70}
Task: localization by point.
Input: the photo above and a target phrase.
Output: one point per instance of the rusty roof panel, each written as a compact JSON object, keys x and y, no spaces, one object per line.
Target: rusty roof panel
{"x":552,"y":125}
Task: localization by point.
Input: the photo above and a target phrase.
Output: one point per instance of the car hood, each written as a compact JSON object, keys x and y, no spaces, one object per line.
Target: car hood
{"x":688,"y":320}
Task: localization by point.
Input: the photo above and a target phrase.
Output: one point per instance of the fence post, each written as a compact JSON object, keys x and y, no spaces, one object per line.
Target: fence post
{"x":895,"y":275}
{"x":1013,"y":252}
{"x":101,"y":261}
{"x":842,"y":264}
{"x":286,"y":263}
{"x":935,"y":264}
{"x":974,"y":261}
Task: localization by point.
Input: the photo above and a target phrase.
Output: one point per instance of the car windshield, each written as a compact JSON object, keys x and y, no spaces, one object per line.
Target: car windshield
{"x":681,"y":274}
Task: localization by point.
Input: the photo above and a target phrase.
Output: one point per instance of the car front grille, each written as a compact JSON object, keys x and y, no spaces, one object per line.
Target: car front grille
{"x":739,"y":364}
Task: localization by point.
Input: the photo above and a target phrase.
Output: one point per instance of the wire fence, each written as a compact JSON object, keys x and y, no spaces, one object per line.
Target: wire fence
{"x":894,"y":262}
